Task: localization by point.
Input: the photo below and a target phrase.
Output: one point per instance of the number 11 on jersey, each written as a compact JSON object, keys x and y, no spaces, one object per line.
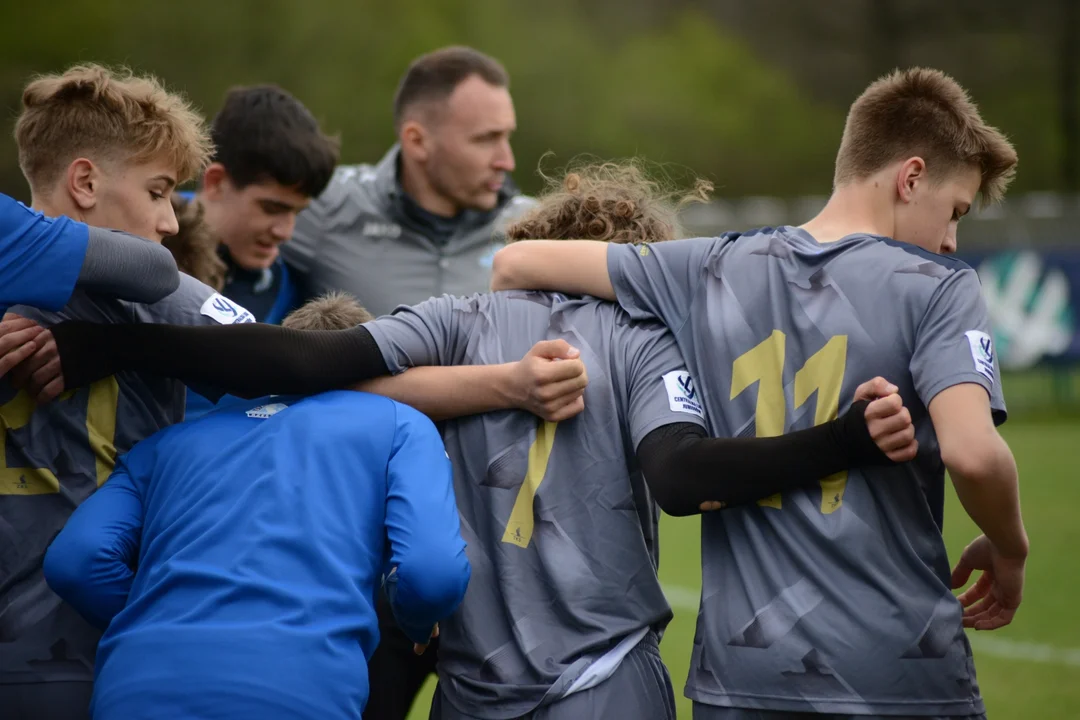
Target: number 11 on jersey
{"x":822,"y":373}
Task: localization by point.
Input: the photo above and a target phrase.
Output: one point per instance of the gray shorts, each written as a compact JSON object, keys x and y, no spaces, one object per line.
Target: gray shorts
{"x":640,"y":689}
{"x":712,"y":712}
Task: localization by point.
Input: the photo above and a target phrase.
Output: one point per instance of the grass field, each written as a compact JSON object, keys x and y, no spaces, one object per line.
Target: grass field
{"x":1029,"y":670}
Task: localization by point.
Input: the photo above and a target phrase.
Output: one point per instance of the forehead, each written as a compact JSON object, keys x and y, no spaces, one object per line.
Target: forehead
{"x":275,"y":192}
{"x":143,"y":170}
{"x":963,"y":184}
{"x":477,"y":106}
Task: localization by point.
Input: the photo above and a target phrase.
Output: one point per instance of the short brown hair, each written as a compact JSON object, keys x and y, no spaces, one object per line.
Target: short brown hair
{"x":923,"y":112}
{"x":613,"y":202}
{"x":90,"y":110}
{"x":194,"y":246}
{"x":332,"y":311}
{"x":433,"y":77}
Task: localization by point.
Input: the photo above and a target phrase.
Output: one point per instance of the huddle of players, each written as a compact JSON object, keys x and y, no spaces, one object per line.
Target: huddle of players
{"x":563,"y":614}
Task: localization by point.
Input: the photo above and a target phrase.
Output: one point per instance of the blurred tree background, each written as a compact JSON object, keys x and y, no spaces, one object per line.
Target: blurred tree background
{"x":749,"y":94}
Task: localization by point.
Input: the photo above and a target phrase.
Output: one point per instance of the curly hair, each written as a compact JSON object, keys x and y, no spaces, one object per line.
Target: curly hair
{"x":612,"y":202}
{"x":194,"y":246}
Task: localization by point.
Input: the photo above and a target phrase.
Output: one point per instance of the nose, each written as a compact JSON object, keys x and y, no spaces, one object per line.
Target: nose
{"x":167,"y":223}
{"x":949,"y":246}
{"x":283,"y":229}
{"x":504,"y":159}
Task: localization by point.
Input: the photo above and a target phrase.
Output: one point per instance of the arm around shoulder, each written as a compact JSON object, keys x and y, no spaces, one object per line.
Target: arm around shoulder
{"x":576,"y":267}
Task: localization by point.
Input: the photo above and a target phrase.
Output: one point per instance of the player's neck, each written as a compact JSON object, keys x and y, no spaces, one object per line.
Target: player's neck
{"x":853,"y":209}
{"x":55,"y":206}
{"x":417,"y":186}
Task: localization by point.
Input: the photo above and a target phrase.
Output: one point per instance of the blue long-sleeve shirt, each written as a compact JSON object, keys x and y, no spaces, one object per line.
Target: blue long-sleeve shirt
{"x":234,"y":559}
{"x":43,"y":260}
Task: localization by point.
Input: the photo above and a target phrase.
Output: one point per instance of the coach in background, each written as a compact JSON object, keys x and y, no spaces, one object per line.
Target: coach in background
{"x":427,"y":219}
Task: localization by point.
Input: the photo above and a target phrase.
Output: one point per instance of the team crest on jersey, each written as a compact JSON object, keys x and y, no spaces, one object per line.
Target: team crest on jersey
{"x":982,"y":353}
{"x":222,"y":310}
{"x":264,"y":411}
{"x":682,"y":394}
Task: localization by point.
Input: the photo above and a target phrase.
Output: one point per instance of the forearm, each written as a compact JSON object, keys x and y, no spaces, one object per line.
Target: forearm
{"x":577,"y":267}
{"x":248,"y":360}
{"x":989,"y":491}
{"x":444,"y":393}
{"x":127,"y":267}
{"x":685,"y":469}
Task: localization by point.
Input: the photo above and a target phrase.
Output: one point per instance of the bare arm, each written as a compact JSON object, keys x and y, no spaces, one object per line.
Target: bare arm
{"x":981,"y":466}
{"x":577,"y":267}
{"x":549,"y":381}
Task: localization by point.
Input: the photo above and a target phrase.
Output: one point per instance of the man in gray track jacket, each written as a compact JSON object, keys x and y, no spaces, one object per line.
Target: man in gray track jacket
{"x":427,"y":219}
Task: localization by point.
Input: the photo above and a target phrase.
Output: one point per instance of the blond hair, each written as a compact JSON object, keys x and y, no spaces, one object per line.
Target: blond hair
{"x":92,"y":111}
{"x":923,"y":112}
{"x":332,"y":311}
{"x":194,"y":246}
{"x":612,"y":202}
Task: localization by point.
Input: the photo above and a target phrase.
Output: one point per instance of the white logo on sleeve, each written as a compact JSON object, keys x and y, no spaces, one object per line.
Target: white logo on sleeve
{"x":982,"y":352}
{"x":222,"y":310}
{"x":682,"y":395}
{"x":264,"y":411}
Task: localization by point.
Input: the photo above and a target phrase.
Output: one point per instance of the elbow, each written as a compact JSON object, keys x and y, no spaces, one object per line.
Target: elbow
{"x":66,"y":567}
{"x":162,"y":277}
{"x":433,"y":582}
{"x":503,"y":266}
{"x":977,"y":460}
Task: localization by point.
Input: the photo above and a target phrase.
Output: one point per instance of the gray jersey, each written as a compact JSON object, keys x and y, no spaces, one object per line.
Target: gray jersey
{"x":358,"y":237}
{"x":54,"y":456}
{"x":558,"y":521}
{"x":836,"y":599}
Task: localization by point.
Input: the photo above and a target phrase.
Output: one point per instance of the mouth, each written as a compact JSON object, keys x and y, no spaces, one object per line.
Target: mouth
{"x":495,"y":185}
{"x":265,"y":247}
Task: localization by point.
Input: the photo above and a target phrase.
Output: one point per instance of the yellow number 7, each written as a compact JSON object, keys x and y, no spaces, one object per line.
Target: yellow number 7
{"x":519,"y":529}
{"x":822,"y":373}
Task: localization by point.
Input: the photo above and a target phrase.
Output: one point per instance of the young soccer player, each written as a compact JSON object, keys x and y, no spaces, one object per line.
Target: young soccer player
{"x":105,"y":148}
{"x":233,"y":560}
{"x":838,"y":600}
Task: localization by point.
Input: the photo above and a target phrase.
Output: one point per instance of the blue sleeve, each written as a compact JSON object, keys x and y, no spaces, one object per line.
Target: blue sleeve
{"x":40,"y":257}
{"x":429,"y":568}
{"x":91,"y":563}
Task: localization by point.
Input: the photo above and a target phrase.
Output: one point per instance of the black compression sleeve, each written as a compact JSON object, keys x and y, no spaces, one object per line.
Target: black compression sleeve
{"x":248,"y":360}
{"x":684,"y":468}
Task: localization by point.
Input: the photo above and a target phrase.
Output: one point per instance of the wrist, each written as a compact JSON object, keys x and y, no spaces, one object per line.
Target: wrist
{"x":506,"y":385}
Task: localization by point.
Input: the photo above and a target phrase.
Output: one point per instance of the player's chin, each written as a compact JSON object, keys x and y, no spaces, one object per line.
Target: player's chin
{"x":484,"y":200}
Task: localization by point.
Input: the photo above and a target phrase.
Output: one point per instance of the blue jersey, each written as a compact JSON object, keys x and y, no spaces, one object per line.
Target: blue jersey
{"x":234,"y":559}
{"x":40,"y":257}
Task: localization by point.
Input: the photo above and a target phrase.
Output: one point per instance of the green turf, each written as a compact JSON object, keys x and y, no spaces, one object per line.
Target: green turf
{"x":1046,"y":687}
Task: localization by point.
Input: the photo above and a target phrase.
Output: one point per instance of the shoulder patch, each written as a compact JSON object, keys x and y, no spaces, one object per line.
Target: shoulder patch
{"x":982,"y":353}
{"x":264,"y":411}
{"x":222,"y":310}
{"x":682,"y":395}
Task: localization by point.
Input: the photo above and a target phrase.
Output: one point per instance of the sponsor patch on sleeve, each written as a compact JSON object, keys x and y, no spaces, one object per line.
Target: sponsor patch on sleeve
{"x":222,"y":310}
{"x":982,"y":353}
{"x":682,"y":395}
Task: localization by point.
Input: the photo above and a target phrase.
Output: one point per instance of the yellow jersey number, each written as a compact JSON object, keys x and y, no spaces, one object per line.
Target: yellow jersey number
{"x":100,"y":429}
{"x":822,"y":373}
